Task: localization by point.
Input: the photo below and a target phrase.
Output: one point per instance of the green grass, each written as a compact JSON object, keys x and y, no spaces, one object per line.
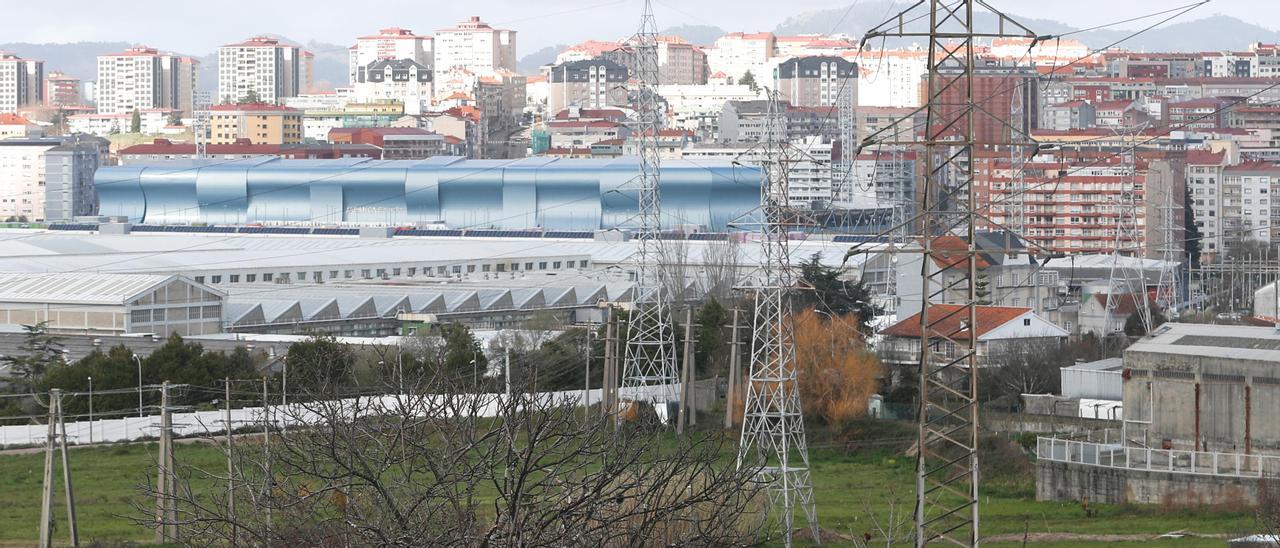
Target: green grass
{"x":850,"y":487}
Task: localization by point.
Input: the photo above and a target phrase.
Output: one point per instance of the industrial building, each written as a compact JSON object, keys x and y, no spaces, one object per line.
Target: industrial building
{"x":110,"y":304}
{"x":547,"y":193}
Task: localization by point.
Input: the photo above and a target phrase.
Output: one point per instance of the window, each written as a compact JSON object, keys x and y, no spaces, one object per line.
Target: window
{"x":582,"y":263}
{"x":140,"y":316}
{"x":542,"y":265}
{"x":528,"y":266}
{"x":456,"y":269}
{"x":471,"y":268}
{"x":199,"y":279}
{"x":1026,"y":322}
{"x":267,"y":277}
{"x":333,"y":274}
{"x":302,"y":276}
{"x":250,"y":278}
{"x":412,"y":271}
{"x":235,"y":278}
{"x":217,"y":279}
{"x":382,"y":272}
{"x":484,"y":268}
{"x":555,"y":264}
{"x":395,"y":272}
{"x":157,"y":315}
{"x":348,"y":273}
{"x":365,"y":273}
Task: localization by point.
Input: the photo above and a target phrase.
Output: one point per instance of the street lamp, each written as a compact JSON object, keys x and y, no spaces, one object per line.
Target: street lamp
{"x":90,"y":410}
{"x":139,"y":362}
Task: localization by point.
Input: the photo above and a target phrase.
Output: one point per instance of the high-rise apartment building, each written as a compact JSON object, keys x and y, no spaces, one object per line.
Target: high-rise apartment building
{"x":736,"y":54}
{"x":142,"y":78}
{"x":475,"y":46}
{"x":28,"y":166}
{"x":61,"y":90}
{"x":816,"y":81}
{"x":590,"y":83}
{"x":680,"y":63}
{"x":390,"y":43}
{"x":263,"y":66}
{"x":21,"y":82}
{"x":403,"y":80}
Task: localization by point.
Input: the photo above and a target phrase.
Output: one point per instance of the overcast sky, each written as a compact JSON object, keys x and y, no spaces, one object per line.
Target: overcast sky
{"x":200,"y":26}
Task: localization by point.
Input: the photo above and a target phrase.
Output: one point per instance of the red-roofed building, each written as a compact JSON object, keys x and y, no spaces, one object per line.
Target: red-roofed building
{"x":400,"y":143}
{"x":61,"y":90}
{"x":164,"y":149}
{"x":13,"y":125}
{"x":389,"y":44}
{"x":1206,"y":113}
{"x":1001,"y":332}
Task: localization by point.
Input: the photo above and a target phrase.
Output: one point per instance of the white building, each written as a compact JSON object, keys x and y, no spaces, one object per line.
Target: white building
{"x":389,"y":43}
{"x":21,"y":82}
{"x":475,"y":46}
{"x":808,"y":180}
{"x":262,"y":65}
{"x":153,"y":122}
{"x":111,"y":304}
{"x":736,"y":54}
{"x":23,"y":170}
{"x":403,"y":80}
{"x":697,"y":108}
{"x":144,"y":78}
{"x":891,"y":78}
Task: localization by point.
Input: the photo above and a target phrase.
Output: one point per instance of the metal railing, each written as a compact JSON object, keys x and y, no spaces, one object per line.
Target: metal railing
{"x":1116,"y":455}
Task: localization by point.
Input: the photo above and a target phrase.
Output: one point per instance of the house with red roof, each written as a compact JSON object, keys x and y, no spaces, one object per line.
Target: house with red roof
{"x":999,"y":332}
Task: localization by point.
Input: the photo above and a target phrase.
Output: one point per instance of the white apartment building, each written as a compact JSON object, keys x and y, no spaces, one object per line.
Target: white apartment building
{"x":143,"y":78}
{"x":737,"y":53}
{"x":263,"y":65}
{"x":697,"y":108}
{"x":153,"y":121}
{"x":475,"y":46}
{"x":808,"y":180}
{"x":403,"y":80}
{"x":22,"y":177}
{"x":21,"y":82}
{"x":1246,"y":199}
{"x":390,"y":43}
{"x":1204,"y":182}
{"x":891,"y":78}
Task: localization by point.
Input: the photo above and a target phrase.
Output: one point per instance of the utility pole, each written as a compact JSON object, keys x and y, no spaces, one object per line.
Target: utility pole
{"x":734,"y":375}
{"x":606,"y":386}
{"x":231,"y":470}
{"x":46,"y":501}
{"x":773,"y":438}
{"x":166,"y":508}
{"x":506,"y":369}
{"x":266,"y":450}
{"x":684,"y":372}
{"x":649,"y":361}
{"x":947,"y":435}
{"x":66,"y":475}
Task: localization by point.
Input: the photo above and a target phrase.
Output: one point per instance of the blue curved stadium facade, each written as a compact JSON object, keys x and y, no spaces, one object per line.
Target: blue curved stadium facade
{"x":555,"y":194}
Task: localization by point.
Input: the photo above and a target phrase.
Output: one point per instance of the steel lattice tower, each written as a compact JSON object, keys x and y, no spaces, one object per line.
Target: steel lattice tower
{"x":650,"y":355}
{"x":1125,"y":281}
{"x":773,"y":426}
{"x":947,"y":439}
{"x":1015,"y":210}
{"x":1171,"y":253}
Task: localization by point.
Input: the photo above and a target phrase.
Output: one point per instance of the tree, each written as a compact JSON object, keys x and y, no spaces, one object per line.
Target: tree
{"x":1024,"y":368}
{"x":1133,"y":324}
{"x":749,"y":80}
{"x":135,"y":123}
{"x":425,"y":470}
{"x":39,"y":352}
{"x":836,"y":370}
{"x":320,"y":364}
{"x":1191,"y":232}
{"x":462,"y":352}
{"x":834,"y":296}
{"x":712,"y":350}
{"x":982,"y":287}
{"x":175,"y":118}
{"x":720,"y":273}
{"x":250,"y":98}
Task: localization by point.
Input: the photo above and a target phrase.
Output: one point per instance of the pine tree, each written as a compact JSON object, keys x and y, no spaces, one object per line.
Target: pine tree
{"x":135,"y":124}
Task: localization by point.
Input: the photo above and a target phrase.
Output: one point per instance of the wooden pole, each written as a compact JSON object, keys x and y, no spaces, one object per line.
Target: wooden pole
{"x":46,"y":502}
{"x":732,"y":392}
{"x":266,"y":449}
{"x":66,"y":476}
{"x":607,"y":394}
{"x":231,"y":484}
{"x":166,"y":508}
{"x":683,"y":415}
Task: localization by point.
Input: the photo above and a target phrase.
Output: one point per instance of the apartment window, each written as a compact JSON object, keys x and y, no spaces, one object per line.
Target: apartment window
{"x":235,"y":278}
{"x":471,"y":268}
{"x":457,"y":269}
{"x":302,"y":276}
{"x":542,"y":265}
{"x":250,"y":278}
{"x":267,"y":277}
{"x":217,"y":279}
{"x":395,"y":272}
{"x":582,"y":263}
{"x":333,"y":274}
{"x":528,"y":266}
{"x":412,"y":271}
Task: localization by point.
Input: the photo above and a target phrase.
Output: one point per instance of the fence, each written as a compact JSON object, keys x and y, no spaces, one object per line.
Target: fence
{"x":213,"y":422}
{"x":1116,"y":455}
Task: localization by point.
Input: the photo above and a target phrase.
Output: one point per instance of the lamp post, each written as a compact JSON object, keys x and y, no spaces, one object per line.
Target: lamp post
{"x":90,"y":410}
{"x":139,"y":362}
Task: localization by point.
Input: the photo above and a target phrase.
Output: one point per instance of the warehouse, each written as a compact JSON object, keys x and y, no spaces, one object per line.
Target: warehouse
{"x":551,"y":193}
{"x":110,"y":304}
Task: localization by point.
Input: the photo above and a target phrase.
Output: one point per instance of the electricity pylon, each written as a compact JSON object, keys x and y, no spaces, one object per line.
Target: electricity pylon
{"x":947,"y":439}
{"x":773,"y":425}
{"x":649,"y":366}
{"x":1128,"y":280}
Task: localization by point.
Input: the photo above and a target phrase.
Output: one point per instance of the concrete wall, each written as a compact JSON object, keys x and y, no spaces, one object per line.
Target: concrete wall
{"x":1059,"y":481}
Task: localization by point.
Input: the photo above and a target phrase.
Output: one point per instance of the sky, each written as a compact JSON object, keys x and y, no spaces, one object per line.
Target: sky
{"x":198,"y":27}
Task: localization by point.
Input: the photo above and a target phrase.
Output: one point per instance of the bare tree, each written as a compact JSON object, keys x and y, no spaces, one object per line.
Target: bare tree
{"x":720,"y":273}
{"x":674,"y":255}
{"x":435,"y":467}
{"x":894,"y":525}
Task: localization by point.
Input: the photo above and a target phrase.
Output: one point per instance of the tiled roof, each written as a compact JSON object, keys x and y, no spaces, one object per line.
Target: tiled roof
{"x":7,"y":119}
{"x":251,"y":107}
{"x":954,"y":244}
{"x":1205,"y":157}
{"x":950,"y":320}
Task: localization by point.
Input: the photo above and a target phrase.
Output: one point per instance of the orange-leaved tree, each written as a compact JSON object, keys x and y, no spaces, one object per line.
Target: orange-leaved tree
{"x":837,"y":372}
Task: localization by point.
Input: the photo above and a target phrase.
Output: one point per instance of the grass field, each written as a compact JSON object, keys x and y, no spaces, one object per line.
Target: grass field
{"x":850,"y":486}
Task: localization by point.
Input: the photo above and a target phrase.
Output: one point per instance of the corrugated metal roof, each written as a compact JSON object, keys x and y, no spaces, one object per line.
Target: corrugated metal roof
{"x":77,"y":288}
